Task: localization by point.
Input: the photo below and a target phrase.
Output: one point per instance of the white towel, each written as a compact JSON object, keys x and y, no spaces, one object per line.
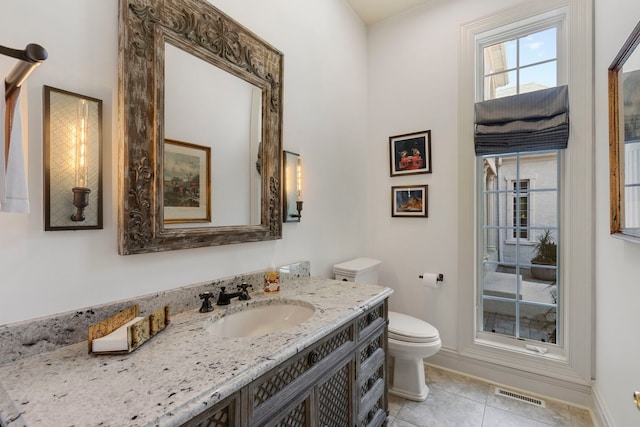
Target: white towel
{"x":14,"y":194}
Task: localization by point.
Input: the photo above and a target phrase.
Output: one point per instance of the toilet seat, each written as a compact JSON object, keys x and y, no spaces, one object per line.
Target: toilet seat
{"x":409,"y":329}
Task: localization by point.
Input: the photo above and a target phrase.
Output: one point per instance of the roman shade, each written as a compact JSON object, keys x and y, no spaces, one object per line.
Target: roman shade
{"x":527,"y":122}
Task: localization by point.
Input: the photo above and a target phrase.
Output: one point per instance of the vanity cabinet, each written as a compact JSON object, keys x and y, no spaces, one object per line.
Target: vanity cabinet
{"x":341,"y":380}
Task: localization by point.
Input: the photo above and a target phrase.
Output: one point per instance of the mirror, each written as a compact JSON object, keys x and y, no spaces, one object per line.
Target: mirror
{"x":223,"y":116}
{"x":196,"y":88}
{"x":624,"y":139}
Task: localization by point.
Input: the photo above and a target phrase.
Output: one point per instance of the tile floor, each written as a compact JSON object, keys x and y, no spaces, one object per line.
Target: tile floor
{"x":459,"y":401}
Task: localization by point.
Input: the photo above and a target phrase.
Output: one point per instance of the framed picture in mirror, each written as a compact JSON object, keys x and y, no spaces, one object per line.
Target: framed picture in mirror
{"x":187,"y":182}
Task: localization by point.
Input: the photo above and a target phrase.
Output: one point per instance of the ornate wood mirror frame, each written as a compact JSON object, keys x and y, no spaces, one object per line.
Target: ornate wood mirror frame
{"x":624,"y":130}
{"x":201,"y":30}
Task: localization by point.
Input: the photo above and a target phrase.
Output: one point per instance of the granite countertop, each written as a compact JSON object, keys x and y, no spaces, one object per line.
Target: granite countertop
{"x":177,"y":374}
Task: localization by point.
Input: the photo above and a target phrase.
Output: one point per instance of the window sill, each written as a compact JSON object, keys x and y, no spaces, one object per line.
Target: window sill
{"x":497,"y":352}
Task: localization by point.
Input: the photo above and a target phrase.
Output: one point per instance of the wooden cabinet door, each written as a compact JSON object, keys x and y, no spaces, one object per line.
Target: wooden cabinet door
{"x":334,"y":397}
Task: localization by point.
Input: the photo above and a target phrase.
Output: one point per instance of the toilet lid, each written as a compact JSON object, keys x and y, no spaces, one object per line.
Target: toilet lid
{"x":407,"y":328}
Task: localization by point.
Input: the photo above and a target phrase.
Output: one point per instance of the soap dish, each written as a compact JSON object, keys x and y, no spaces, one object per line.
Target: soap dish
{"x":126,"y":331}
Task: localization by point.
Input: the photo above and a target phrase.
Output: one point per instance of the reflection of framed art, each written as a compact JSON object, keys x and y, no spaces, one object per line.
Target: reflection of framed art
{"x":186,"y":182}
{"x":409,"y":200}
{"x":410,"y":153}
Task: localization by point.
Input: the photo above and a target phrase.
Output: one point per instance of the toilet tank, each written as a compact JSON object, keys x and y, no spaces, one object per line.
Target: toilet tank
{"x":359,"y":270}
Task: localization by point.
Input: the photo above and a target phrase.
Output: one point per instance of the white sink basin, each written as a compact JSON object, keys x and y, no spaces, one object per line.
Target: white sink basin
{"x":259,"y":318}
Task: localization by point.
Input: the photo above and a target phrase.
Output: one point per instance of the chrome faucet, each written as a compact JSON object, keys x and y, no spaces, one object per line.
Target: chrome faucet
{"x":225,"y":298}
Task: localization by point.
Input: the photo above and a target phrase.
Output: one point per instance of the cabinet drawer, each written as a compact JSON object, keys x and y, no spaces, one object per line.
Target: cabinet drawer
{"x":372,"y":319}
{"x":375,"y":418}
{"x":371,"y":381}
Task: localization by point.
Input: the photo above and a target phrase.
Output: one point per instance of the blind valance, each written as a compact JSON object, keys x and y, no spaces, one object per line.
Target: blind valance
{"x":527,"y":122}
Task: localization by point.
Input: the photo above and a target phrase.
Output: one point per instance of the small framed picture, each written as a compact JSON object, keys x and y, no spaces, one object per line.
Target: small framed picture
{"x":186,"y":182}
{"x":409,"y":201}
{"x":411,"y":153}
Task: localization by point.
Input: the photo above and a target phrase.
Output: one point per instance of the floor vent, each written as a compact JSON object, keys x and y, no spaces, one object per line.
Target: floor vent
{"x":521,"y":397}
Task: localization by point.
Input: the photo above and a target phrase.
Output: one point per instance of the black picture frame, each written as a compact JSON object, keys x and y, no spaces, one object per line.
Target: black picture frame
{"x":410,"y":153}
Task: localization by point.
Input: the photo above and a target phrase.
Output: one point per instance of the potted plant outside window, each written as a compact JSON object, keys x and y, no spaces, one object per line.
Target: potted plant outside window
{"x":546,"y":252}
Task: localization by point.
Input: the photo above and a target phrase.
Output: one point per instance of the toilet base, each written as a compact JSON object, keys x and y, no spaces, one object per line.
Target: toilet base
{"x":409,"y":380}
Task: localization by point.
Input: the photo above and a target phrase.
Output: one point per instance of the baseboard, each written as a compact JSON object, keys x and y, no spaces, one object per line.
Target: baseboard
{"x":554,"y":388}
{"x":600,"y":413}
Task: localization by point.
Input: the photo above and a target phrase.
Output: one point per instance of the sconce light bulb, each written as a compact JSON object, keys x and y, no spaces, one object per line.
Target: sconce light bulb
{"x":299,"y":179}
{"x":82,"y":172}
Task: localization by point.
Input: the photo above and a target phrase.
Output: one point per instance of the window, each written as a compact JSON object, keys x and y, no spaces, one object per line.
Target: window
{"x":519,"y":198}
{"x":521,"y":64}
{"x":519,"y":284}
{"x":566,"y":362}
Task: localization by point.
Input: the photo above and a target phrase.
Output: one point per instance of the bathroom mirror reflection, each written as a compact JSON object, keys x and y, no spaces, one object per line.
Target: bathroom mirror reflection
{"x":624,"y":142}
{"x":292,"y":187}
{"x":184,"y":66}
{"x":209,"y":107}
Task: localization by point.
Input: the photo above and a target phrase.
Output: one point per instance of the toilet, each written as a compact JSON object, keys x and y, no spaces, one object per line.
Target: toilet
{"x":410,"y":339}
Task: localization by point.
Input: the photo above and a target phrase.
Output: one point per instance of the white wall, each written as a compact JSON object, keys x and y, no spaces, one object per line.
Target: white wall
{"x":413,"y":86}
{"x":418,"y":77}
{"x":618,"y":262}
{"x":324,"y":120}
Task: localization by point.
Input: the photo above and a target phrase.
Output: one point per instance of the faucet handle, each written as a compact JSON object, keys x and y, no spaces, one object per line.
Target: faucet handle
{"x":244,"y":294}
{"x":206,"y":304}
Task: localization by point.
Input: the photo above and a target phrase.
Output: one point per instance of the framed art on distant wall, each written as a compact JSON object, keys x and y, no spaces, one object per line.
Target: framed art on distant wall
{"x":186,"y":182}
{"x":410,"y":153}
{"x":409,"y":201}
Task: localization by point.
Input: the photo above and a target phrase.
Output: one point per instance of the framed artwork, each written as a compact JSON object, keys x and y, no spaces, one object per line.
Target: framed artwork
{"x":411,"y":153}
{"x":409,"y":201}
{"x":186,"y":182}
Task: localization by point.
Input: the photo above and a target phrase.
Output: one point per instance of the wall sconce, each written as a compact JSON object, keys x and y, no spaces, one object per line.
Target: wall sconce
{"x":292,"y":187}
{"x":72,"y":161}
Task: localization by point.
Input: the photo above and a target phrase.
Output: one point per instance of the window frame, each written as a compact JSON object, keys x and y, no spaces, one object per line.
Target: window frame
{"x":500,"y":34}
{"x":567,"y":374}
